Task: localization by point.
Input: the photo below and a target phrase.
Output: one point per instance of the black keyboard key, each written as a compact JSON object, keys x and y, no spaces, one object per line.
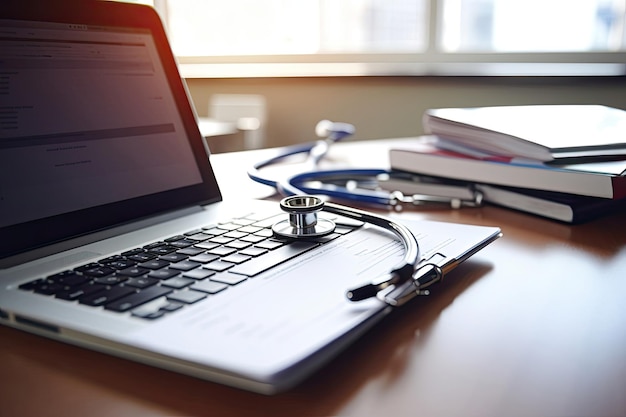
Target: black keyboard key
{"x":257,"y":265}
{"x":228,"y":278}
{"x":172,"y":306}
{"x":110,"y":280}
{"x":238,"y":244}
{"x":253,"y":251}
{"x":149,"y":315}
{"x":253,"y":238}
{"x":264,"y":233}
{"x":208,"y":286}
{"x":249,"y":229}
{"x":155,"y":309}
{"x":134,"y":300}
{"x":142,"y":256}
{"x":119,"y":264}
{"x":199,"y":237}
{"x":222,"y":251}
{"x":174,"y":257}
{"x":153,"y":245}
{"x":141,"y":282}
{"x":207,"y":245}
{"x":236,"y":258}
{"x":154,"y":264}
{"x":163,"y":273}
{"x":163,"y":250}
{"x":220,"y":240}
{"x":193,"y":232}
{"x":235,"y":234}
{"x":183,"y":243}
{"x":214,"y":231}
{"x":199,"y":274}
{"x":177,"y":282}
{"x":270,"y":244}
{"x":218,"y":266}
{"x":31,"y":285}
{"x":98,"y":271}
{"x":174,"y":238}
{"x":204,"y":258}
{"x":46,"y":287}
{"x":107,"y":295}
{"x":134,"y":271}
{"x":187,"y":297}
{"x":191,"y":251}
{"x":185,"y":265}
{"x":68,"y":278}
{"x":80,"y":291}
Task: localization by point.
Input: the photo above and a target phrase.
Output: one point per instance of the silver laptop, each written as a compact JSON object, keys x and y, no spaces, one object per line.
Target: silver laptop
{"x":113,"y":232}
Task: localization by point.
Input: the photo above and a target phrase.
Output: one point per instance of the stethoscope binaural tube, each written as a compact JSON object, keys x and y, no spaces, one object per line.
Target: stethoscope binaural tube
{"x":398,"y":275}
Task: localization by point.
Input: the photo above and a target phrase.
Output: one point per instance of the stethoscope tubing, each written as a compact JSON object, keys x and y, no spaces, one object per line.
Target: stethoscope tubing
{"x":295,"y":185}
{"x":255,"y":174}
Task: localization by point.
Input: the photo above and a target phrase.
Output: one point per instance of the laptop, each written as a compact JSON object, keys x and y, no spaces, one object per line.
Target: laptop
{"x":114,"y":235}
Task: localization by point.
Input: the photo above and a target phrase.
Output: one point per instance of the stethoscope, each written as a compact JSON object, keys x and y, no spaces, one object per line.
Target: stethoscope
{"x":302,"y":204}
{"x":360,"y":185}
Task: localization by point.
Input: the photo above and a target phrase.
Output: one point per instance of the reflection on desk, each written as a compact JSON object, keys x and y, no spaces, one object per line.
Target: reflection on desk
{"x":533,"y":325}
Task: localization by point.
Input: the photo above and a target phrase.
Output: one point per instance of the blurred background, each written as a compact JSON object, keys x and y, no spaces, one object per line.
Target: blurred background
{"x":264,"y":72}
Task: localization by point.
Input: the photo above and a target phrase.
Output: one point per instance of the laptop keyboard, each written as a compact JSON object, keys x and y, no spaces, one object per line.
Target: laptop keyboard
{"x":165,"y":276}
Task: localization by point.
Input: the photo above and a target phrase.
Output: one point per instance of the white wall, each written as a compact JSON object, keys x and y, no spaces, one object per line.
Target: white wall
{"x":392,"y":106}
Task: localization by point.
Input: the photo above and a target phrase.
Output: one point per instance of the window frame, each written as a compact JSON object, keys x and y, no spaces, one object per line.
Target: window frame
{"x":432,"y":62}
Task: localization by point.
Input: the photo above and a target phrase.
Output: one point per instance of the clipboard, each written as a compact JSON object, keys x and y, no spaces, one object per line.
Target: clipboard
{"x":438,"y":257}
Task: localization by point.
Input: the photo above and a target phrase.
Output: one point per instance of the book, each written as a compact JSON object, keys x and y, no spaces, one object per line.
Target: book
{"x":567,"y":208}
{"x":540,"y":132}
{"x":604,"y":179}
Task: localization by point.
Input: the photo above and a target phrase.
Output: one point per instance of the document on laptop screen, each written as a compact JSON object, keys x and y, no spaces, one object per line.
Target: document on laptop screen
{"x":87,"y":118}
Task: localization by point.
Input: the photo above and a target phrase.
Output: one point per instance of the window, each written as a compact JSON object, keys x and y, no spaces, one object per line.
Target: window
{"x":533,"y":25}
{"x":277,"y":27}
{"x":396,"y":37}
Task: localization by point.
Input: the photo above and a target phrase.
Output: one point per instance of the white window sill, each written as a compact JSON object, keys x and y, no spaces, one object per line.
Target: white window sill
{"x":326,"y":69}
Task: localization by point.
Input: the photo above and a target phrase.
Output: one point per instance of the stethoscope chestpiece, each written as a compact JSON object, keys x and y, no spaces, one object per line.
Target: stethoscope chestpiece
{"x":303,"y":221}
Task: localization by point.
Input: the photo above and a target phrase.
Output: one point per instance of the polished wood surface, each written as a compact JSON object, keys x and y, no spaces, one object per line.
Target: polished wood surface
{"x":533,"y":325}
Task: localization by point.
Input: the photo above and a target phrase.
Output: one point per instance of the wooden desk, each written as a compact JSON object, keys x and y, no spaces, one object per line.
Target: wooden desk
{"x":534,"y":325}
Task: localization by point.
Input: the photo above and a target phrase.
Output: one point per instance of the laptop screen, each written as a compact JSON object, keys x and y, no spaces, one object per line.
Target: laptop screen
{"x":94,"y":122}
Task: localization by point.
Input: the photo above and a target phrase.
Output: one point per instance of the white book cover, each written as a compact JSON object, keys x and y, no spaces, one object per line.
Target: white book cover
{"x":540,"y":132}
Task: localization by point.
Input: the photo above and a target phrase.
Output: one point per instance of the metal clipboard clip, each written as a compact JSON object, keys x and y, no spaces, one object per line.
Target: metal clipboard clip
{"x":418,"y":190}
{"x":429,"y":272}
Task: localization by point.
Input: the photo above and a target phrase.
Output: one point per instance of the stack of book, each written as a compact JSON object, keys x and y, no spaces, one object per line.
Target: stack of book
{"x":564,"y":162}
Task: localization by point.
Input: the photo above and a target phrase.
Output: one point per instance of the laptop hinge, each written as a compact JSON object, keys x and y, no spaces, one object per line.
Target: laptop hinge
{"x":94,"y":237}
